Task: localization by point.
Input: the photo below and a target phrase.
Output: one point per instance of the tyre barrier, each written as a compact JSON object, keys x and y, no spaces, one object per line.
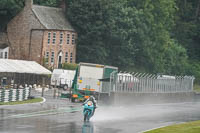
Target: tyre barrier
{"x":14,"y":95}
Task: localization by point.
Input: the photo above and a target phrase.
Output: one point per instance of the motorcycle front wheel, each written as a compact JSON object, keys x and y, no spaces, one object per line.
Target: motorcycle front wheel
{"x":85,"y":116}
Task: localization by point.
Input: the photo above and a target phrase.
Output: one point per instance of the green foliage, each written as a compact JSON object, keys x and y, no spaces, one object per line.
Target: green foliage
{"x":9,"y":9}
{"x":175,"y":59}
{"x":52,"y":3}
{"x":69,"y":66}
{"x":127,"y":33}
{"x":161,"y":36}
{"x":45,"y":62}
{"x":187,"y":29}
{"x":194,"y":69}
{"x":152,"y":37}
{"x":87,"y":17}
{"x":197,"y":87}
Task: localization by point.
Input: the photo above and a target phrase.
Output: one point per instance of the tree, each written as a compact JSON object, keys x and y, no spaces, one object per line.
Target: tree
{"x":52,"y":3}
{"x":99,"y":39}
{"x":147,"y":35}
{"x":187,"y":30}
{"x":9,"y":9}
{"x":125,"y":33}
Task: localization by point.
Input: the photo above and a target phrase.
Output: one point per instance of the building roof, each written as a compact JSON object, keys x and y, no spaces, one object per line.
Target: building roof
{"x":52,"y":18}
{"x":22,"y":66}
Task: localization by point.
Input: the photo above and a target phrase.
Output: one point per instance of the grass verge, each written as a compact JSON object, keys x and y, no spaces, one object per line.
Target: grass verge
{"x":35,"y":100}
{"x":189,"y":127}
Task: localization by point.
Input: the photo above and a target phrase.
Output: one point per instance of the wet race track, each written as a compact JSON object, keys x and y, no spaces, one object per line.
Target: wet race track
{"x":61,"y":116}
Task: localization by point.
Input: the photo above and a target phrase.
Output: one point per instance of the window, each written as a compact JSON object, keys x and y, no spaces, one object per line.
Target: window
{"x":54,"y":38}
{"x":52,"y":57}
{"x":6,"y":55}
{"x":66,"y":56}
{"x":68,"y":38}
{"x":61,"y":38}
{"x":49,"y":37}
{"x":47,"y":57}
{"x":73,"y":39}
{"x":71,"y":58}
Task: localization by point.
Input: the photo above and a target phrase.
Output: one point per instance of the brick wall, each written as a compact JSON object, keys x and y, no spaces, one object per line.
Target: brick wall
{"x":19,"y":33}
{"x":3,"y":38}
{"x":36,"y":45}
{"x":59,"y":47}
{"x":28,"y":42}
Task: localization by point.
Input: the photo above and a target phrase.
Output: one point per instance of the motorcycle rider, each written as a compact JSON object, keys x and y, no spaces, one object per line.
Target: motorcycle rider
{"x":93,"y":100}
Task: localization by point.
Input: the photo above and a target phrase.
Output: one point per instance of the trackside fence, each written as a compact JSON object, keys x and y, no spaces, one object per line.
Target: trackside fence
{"x":14,"y":95}
{"x":149,"y":83}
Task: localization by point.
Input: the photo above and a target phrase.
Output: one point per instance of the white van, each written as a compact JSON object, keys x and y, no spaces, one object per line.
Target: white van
{"x":62,"y":78}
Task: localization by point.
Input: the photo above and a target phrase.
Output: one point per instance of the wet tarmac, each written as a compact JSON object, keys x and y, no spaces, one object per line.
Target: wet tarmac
{"x":61,"y":116}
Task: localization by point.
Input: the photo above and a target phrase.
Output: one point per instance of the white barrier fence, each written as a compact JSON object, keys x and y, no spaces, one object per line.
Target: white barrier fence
{"x":149,"y":83}
{"x":14,"y":95}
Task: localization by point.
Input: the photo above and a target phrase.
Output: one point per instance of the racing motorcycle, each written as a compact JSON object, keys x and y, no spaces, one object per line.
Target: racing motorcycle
{"x":88,"y":109}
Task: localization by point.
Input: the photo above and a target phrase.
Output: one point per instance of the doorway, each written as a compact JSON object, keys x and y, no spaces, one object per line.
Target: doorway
{"x":60,"y":59}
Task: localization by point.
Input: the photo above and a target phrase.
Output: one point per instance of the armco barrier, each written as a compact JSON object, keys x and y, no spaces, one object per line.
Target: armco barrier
{"x":14,"y":95}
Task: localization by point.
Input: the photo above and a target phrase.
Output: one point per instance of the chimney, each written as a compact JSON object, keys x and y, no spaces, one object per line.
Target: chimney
{"x":63,"y":5}
{"x":28,"y":3}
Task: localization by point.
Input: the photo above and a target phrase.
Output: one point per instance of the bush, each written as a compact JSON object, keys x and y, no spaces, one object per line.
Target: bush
{"x":69,"y":66}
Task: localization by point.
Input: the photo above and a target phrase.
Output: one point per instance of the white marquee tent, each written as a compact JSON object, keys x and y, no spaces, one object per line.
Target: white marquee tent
{"x":22,"y":66}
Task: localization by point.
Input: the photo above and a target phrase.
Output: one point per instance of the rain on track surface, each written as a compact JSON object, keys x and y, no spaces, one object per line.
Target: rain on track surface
{"x":61,"y":116}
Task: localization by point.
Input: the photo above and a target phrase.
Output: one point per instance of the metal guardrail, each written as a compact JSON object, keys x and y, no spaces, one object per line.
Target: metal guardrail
{"x":149,"y":83}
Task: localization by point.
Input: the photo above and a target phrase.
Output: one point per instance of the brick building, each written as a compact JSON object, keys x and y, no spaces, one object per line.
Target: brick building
{"x":42,"y":34}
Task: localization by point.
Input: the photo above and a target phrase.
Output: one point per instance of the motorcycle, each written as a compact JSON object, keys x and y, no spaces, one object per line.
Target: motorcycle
{"x":88,"y":109}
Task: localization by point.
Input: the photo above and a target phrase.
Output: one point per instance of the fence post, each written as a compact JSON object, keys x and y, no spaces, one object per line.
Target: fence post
{"x":193,"y":78}
{"x":43,"y":85}
{"x":54,"y":89}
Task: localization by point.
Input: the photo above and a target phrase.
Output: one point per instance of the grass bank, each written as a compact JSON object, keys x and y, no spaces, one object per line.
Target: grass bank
{"x":190,"y":127}
{"x":35,"y":100}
